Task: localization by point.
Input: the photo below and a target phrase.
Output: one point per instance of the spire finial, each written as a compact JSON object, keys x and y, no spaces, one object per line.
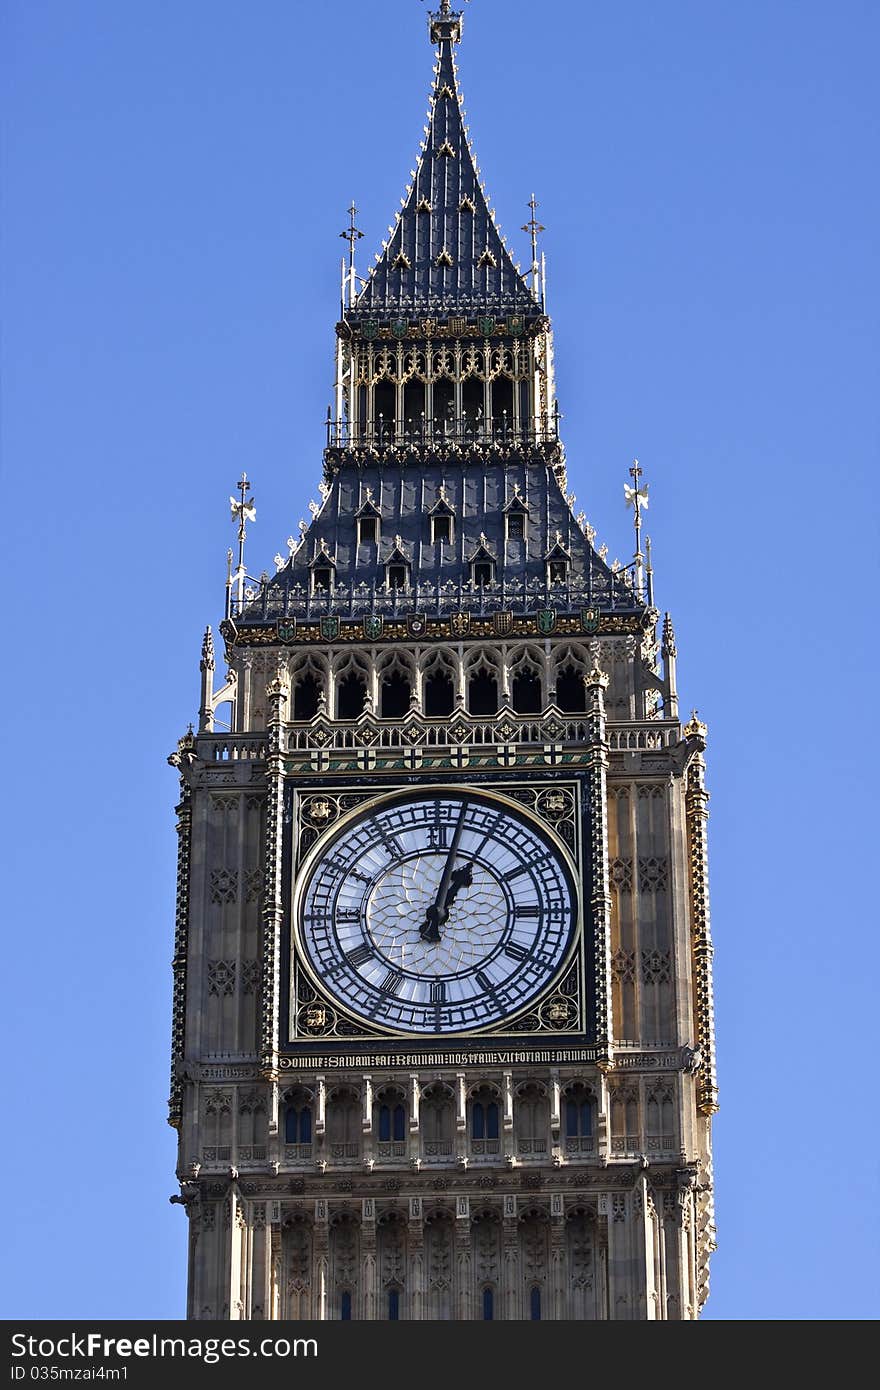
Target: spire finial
{"x":637,"y":497}
{"x":243,"y":511}
{"x":352,"y":235}
{"x":445,"y":23}
{"x":533,"y":227}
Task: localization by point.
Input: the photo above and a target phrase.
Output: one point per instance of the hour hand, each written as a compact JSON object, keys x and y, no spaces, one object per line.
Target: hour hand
{"x":434,"y":918}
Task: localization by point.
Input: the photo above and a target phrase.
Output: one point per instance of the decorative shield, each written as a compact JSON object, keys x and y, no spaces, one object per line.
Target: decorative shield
{"x":546,"y":619}
{"x":590,"y":619}
{"x":373,"y":626}
{"x":515,"y":324}
{"x":400,"y":327}
{"x":370,"y":329}
{"x":286,"y":629}
{"x":329,"y":628}
{"x":457,"y":326}
{"x":486,"y":326}
{"x":416,"y":625}
{"x":460,"y":624}
{"x":502,"y":622}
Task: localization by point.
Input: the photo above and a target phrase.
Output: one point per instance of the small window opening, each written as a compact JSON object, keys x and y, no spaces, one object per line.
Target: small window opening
{"x":393,"y":1305}
{"x":483,"y":572}
{"x":397,"y":576}
{"x":368,"y":530}
{"x":439,"y":695}
{"x":571,"y":693}
{"x":322,"y":579}
{"x":482,"y":694}
{"x":351,"y":696}
{"x":526,"y":693}
{"x":516,"y":526}
{"x":345,"y":1306}
{"x":441,"y":529}
{"x":558,"y":571}
{"x":488,"y":1305}
{"x":305,"y":697}
{"x":394,"y":696}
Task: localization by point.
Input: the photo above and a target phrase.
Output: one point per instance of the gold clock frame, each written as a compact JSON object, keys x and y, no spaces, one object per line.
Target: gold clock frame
{"x":317,"y":1015}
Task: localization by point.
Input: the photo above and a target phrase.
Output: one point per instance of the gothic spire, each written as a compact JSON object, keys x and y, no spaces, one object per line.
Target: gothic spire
{"x":444,"y":251}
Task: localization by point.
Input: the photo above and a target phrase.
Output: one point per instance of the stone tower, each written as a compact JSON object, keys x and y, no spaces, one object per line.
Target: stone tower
{"x":442,"y":1025}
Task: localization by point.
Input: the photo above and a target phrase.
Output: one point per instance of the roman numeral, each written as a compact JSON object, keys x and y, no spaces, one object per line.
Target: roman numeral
{"x":515,"y":951}
{"x":358,"y":955}
{"x":438,"y":992}
{"x":348,"y":914}
{"x":484,"y":982}
{"x":392,"y":982}
{"x":527,"y":910}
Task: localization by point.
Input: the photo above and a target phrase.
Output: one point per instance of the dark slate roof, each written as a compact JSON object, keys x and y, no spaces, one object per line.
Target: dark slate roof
{"x":436,"y":223}
{"x":440,"y":576}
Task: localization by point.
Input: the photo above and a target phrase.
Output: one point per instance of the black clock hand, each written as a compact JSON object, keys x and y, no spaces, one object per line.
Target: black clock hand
{"x":438,"y":912}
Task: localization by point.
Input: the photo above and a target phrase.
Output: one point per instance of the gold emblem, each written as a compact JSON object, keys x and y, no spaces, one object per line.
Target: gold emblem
{"x":315,"y":1017}
{"x":558,"y":1011}
{"x":319,"y":810}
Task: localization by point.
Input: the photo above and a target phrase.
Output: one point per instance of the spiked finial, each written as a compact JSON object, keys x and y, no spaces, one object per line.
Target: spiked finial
{"x":445,"y":23}
{"x":352,"y":234}
{"x":533,"y":227}
{"x":637,"y":498}
{"x":243,"y":511}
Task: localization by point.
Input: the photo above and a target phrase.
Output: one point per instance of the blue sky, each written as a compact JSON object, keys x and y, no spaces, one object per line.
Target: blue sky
{"x":175,"y":177}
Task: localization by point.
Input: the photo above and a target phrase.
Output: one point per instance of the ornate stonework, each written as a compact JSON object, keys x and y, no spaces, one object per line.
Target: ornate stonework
{"x":442,"y":1028}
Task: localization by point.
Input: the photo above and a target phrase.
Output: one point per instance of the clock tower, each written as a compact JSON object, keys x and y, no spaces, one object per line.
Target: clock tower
{"x":442,"y":1027}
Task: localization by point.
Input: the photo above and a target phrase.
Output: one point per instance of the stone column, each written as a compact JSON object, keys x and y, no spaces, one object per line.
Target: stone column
{"x":278,"y":692}
{"x":463,"y":1290}
{"x":697,"y":812}
{"x":369,"y":1271}
{"x":556,"y":1273}
{"x":322,"y":1262}
{"x":416,"y":1260}
{"x":510,"y":1274}
{"x":600,"y":898}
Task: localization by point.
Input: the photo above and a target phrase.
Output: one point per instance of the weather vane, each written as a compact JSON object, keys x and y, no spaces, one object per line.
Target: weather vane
{"x":637,"y":498}
{"x":243,"y":511}
{"x":533,"y":227}
{"x":352,"y":235}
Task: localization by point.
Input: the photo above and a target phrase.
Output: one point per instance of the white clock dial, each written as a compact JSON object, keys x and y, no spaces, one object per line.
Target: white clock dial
{"x":437,"y":912}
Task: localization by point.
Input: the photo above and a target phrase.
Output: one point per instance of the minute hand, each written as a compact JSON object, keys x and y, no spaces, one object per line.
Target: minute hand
{"x":438,"y":912}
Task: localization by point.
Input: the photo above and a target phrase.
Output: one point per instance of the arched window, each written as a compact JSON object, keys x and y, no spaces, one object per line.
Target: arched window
{"x":439,"y":694}
{"x":345,"y":1306}
{"x":344,"y":1125}
{"x":571,"y":693}
{"x":394,"y":695}
{"x":578,"y":1117}
{"x":393,"y":1305}
{"x":526,"y":691}
{"x":383,"y":411}
{"x":488,"y":1305}
{"x":472,"y":404}
{"x":298,"y":1125}
{"x":439,"y":687}
{"x":436,"y":1121}
{"x":535,"y":1304}
{"x":305,"y":696}
{"x":502,"y":404}
{"x":351,"y":695}
{"x":444,"y":394}
{"x":413,"y":407}
{"x":485,"y":1116}
{"x":483,"y":689}
{"x":531,"y":1117}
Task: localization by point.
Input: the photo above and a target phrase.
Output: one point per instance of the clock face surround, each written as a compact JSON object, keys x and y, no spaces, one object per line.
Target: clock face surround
{"x":436,"y":912}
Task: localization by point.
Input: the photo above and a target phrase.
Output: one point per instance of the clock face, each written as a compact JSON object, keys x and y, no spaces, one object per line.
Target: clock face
{"x":437,"y":912}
